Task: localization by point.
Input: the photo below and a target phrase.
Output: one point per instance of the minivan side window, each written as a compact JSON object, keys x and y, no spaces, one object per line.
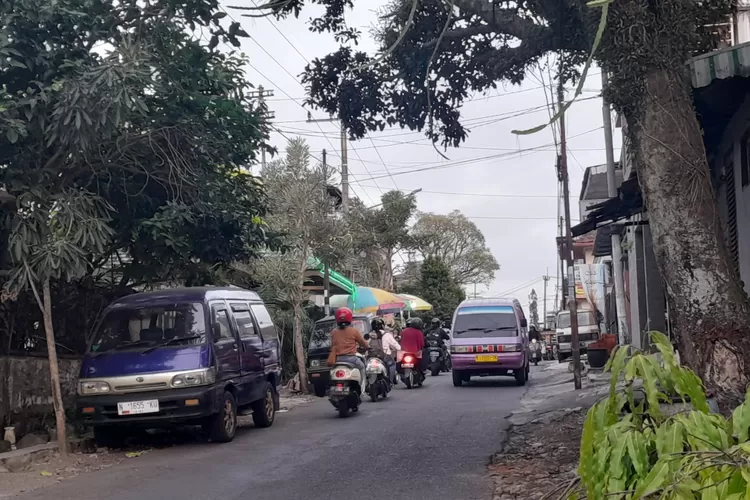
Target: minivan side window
{"x":220,"y":315}
{"x":244,"y":319}
{"x":264,"y":321}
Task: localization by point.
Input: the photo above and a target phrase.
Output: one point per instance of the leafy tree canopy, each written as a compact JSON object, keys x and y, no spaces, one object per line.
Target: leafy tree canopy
{"x":433,"y":54}
{"x":458,"y":242}
{"x":437,"y":286}
{"x":123,"y":101}
{"x":377,"y":234}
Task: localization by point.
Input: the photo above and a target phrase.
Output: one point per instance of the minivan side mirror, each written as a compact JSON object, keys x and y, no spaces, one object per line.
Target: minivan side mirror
{"x":216,"y":331}
{"x":524,"y":323}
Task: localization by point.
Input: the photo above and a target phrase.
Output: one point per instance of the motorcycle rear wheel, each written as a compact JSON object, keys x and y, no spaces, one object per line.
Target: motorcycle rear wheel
{"x":373,"y":393}
{"x":435,"y":370}
{"x":343,"y":408}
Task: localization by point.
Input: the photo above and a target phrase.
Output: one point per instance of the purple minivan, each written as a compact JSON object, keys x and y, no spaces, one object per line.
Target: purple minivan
{"x":489,"y":338}
{"x":180,"y":356}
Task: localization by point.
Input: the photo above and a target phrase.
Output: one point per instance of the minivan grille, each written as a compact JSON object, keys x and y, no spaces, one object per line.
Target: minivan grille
{"x":140,"y":387}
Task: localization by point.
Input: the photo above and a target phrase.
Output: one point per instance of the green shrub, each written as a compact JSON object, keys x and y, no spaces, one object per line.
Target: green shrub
{"x":631,"y":449}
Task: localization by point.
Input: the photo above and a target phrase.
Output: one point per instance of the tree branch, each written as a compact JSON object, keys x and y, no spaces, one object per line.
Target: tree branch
{"x":505,"y":21}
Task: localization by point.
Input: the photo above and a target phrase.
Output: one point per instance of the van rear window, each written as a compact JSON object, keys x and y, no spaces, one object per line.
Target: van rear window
{"x":321,"y":337}
{"x":485,"y":322}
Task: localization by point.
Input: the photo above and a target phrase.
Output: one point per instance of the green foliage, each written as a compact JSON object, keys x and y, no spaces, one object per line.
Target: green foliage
{"x":633,"y":448}
{"x":458,"y":242}
{"x":437,"y":286}
{"x":377,"y":234}
{"x":123,"y":101}
{"x":53,"y":237}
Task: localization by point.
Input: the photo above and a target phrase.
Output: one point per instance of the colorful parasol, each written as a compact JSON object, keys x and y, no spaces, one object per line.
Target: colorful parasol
{"x":414,"y":303}
{"x":368,"y":300}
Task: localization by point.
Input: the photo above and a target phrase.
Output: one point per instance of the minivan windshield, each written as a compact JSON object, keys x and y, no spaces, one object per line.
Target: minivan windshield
{"x":321,"y":337}
{"x":150,"y":327}
{"x":584,"y":319}
{"x":485,"y":321}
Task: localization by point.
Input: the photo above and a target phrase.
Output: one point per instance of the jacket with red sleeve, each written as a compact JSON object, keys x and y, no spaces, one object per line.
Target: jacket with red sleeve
{"x":412,"y":340}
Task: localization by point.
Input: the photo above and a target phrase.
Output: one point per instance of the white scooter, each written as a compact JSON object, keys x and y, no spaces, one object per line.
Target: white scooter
{"x":378,"y":382}
{"x":346,"y":387}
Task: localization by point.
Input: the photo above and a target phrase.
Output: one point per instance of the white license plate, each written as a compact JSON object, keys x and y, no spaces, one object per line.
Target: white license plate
{"x":138,"y":407}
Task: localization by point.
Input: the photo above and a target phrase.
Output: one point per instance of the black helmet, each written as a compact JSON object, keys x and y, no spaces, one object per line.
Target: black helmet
{"x":414,"y":323}
{"x":377,"y":324}
{"x":436,"y":321}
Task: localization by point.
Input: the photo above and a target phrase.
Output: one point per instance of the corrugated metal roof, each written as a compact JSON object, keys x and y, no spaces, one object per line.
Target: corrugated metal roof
{"x":720,"y":64}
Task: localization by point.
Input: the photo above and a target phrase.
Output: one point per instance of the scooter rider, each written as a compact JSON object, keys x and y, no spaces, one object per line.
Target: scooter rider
{"x":388,"y":344}
{"x":344,"y":341}
{"x":437,"y":333}
{"x":412,"y":339}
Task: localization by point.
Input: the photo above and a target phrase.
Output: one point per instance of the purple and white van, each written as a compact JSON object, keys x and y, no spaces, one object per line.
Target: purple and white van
{"x":489,"y":338}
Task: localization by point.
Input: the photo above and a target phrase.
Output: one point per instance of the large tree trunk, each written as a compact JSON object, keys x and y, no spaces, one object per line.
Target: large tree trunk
{"x":710,"y":306}
{"x":299,"y":347}
{"x":54,"y":370}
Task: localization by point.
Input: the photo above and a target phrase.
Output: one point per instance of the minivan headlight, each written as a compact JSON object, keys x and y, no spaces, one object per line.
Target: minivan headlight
{"x":194,"y":377}
{"x":87,"y":388}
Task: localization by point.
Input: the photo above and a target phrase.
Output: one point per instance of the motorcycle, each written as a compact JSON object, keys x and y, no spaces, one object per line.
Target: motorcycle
{"x":410,"y":370}
{"x":437,"y":358}
{"x":378,"y":383}
{"x":536,"y":352}
{"x":447,"y":365}
{"x":346,"y":387}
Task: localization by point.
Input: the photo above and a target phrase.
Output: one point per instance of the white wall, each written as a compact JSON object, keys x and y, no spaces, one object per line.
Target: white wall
{"x":739,"y":123}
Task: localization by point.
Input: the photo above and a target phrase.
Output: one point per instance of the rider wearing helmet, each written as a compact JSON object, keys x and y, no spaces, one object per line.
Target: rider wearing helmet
{"x":412,"y":338}
{"x":388,"y":345}
{"x":437,"y":330}
{"x":345,"y":339}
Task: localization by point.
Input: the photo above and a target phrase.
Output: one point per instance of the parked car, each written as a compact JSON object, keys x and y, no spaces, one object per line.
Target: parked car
{"x":318,"y":372}
{"x":489,"y":338}
{"x":180,"y":356}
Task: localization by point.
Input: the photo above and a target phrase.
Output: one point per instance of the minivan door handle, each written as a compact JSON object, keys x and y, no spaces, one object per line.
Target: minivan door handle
{"x":234,"y":347}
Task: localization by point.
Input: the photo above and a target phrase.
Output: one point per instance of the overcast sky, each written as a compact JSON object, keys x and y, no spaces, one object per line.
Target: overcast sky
{"x":510,"y":195}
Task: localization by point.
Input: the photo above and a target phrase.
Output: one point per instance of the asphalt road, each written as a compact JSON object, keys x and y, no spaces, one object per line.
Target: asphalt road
{"x":430,"y":443}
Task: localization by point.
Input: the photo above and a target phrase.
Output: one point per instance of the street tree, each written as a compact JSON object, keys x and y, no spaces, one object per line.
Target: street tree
{"x":458,"y":242}
{"x":123,"y":142}
{"x":434,"y":54}
{"x":110,"y":97}
{"x":378,"y":233}
{"x":533,"y":309}
{"x":304,"y":213}
{"x":437,"y":286}
{"x":54,"y":237}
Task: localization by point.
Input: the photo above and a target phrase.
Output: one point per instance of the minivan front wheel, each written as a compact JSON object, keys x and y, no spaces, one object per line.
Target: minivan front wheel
{"x":264,"y":410}
{"x":223,"y":426}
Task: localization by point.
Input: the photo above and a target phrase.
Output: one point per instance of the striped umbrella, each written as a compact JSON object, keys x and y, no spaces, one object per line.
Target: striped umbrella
{"x":414,"y":303}
{"x":368,"y":300}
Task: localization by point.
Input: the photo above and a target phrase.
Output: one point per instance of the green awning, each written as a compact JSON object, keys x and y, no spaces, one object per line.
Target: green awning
{"x":720,"y":64}
{"x":336,"y":278}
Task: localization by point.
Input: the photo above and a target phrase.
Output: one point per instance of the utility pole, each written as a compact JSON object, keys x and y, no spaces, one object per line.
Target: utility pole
{"x":344,"y":160}
{"x":475,"y":290}
{"x":544,"y":306}
{"x":575,"y":344}
{"x":261,"y":95}
{"x":326,"y":268}
{"x":622,"y":325}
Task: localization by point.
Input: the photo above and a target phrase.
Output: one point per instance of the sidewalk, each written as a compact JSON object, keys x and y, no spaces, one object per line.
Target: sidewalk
{"x":541,"y":450}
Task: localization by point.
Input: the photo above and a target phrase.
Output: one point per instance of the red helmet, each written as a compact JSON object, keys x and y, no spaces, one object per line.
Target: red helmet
{"x":344,"y":316}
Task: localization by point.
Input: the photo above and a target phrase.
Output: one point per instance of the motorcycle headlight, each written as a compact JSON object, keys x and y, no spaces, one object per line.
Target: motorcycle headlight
{"x":195,"y":377}
{"x":93,"y":387}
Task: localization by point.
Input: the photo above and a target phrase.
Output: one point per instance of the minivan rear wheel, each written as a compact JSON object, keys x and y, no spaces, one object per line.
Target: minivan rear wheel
{"x":520,"y":376}
{"x":223,"y":426}
{"x":458,"y":379}
{"x":264,"y":410}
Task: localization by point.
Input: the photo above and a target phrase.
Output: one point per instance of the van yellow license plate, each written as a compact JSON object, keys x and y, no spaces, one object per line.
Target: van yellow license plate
{"x":486,"y":359}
